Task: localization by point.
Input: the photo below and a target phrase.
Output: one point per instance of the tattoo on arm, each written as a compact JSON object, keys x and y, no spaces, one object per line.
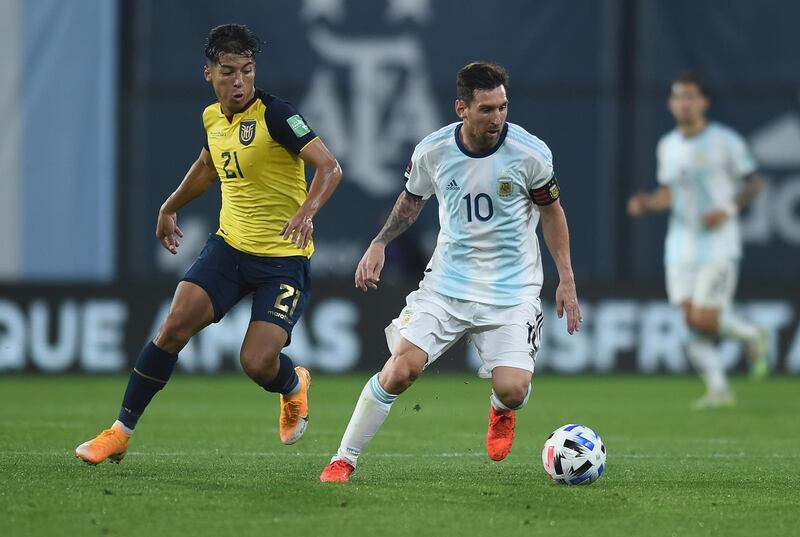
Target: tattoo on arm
{"x":405,"y":212}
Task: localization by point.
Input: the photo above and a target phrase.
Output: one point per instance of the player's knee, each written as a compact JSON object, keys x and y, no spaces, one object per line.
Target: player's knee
{"x":514,"y":395}
{"x":399,"y":374}
{"x":174,"y":334}
{"x":702,"y":322}
{"x":259,"y":364}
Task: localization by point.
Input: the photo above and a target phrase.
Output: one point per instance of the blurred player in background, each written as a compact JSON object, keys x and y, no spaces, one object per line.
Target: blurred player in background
{"x":493,"y":181}
{"x":706,"y":176}
{"x":256,"y":146}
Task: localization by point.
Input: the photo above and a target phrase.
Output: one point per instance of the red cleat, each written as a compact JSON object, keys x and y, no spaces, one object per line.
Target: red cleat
{"x":500,"y":435}
{"x":337,"y":472}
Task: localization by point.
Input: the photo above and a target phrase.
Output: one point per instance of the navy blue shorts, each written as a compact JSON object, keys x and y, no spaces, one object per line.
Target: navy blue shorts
{"x":281,"y":286}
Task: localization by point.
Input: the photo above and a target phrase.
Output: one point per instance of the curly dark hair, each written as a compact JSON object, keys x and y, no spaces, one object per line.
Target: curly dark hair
{"x":231,"y":39}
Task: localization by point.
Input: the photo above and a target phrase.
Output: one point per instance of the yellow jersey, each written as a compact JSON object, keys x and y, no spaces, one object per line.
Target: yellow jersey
{"x":262,"y":177}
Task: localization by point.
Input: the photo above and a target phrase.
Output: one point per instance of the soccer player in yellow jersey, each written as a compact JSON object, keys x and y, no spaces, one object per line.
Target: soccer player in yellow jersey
{"x":256,"y":146}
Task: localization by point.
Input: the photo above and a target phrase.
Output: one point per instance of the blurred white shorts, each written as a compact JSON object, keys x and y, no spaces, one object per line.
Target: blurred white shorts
{"x":710,"y":285}
{"x":507,"y":336}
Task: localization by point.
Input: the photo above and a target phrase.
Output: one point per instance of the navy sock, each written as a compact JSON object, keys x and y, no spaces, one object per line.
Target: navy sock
{"x":286,"y":380}
{"x":150,"y":374}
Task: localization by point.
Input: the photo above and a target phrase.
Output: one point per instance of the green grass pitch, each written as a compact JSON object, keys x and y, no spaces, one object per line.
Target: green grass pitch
{"x":206,"y":460}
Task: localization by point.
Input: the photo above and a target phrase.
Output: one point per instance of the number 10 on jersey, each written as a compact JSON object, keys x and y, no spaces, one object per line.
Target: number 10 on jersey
{"x":481,"y":206}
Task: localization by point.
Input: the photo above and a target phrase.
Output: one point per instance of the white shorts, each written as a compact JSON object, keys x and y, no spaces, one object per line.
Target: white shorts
{"x":711,"y":285}
{"x":504,"y":335}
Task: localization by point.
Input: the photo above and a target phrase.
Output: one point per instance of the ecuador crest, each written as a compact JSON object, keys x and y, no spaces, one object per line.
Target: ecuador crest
{"x":247,"y":131}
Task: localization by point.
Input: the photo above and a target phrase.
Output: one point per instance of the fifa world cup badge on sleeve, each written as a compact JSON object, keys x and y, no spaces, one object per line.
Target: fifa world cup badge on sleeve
{"x":298,"y":126}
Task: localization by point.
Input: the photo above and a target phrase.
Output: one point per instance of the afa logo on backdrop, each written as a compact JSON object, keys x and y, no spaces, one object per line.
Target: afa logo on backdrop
{"x":775,"y":215}
{"x":369,"y":95}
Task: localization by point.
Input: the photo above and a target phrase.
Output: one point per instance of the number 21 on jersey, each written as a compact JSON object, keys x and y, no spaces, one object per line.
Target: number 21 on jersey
{"x":231,"y":174}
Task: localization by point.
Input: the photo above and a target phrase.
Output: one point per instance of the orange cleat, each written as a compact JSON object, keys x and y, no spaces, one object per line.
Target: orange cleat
{"x":111,"y":444}
{"x":500,"y":435}
{"x":294,"y":410}
{"x":337,"y":472}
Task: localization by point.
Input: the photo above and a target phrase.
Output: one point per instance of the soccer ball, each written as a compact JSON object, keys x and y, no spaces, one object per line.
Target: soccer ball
{"x":574,"y":455}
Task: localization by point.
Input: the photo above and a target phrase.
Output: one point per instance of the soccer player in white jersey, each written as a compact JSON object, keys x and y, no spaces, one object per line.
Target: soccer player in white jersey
{"x":706,"y":176}
{"x":493,"y":181}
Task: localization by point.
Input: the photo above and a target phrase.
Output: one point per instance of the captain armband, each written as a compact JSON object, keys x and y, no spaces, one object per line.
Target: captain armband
{"x":547,"y":193}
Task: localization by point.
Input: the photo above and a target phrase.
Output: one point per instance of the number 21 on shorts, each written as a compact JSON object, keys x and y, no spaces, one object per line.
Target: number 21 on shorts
{"x":288,"y":292}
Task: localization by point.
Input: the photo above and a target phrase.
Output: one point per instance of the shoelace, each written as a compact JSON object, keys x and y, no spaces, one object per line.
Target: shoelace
{"x":501,"y":421}
{"x":106,"y":438}
{"x":341,"y":465}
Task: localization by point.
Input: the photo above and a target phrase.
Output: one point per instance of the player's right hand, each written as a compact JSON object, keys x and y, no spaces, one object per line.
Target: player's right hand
{"x":167,"y":231}
{"x":636,"y":204}
{"x":368,"y":271}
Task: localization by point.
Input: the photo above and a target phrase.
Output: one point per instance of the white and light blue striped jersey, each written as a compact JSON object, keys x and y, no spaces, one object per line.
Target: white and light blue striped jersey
{"x":704,"y":173}
{"x":487,"y":250}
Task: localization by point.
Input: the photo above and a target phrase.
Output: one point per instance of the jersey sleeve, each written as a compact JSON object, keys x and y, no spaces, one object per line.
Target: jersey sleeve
{"x":740,"y":158}
{"x":539,"y":170}
{"x":287,"y":126}
{"x":665,"y":170}
{"x":419,"y":182}
{"x":541,"y":180}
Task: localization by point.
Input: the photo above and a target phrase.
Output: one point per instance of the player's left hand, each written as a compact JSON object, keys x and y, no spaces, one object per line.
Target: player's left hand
{"x":567,"y":300}
{"x":714,"y":219}
{"x":299,"y":229}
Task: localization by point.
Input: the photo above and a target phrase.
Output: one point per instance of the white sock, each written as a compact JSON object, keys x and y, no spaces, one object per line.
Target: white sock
{"x":128,"y":431}
{"x":497,"y":404}
{"x":735,"y":327}
{"x":703,"y":354}
{"x":371,"y":410}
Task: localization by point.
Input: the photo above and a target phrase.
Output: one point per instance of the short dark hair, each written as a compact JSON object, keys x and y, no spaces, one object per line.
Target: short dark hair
{"x":690,"y":77}
{"x":231,"y":39}
{"x":479,"y":76}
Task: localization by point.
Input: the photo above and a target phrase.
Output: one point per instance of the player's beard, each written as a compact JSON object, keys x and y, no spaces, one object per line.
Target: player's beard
{"x":487,"y":141}
{"x":480,"y":138}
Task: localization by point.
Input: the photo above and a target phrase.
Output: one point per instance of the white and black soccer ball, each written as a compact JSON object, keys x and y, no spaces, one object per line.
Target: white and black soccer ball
{"x":574,"y":455}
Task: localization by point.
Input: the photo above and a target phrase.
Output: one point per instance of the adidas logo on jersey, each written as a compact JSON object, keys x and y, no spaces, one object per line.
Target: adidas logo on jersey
{"x":452,"y":185}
